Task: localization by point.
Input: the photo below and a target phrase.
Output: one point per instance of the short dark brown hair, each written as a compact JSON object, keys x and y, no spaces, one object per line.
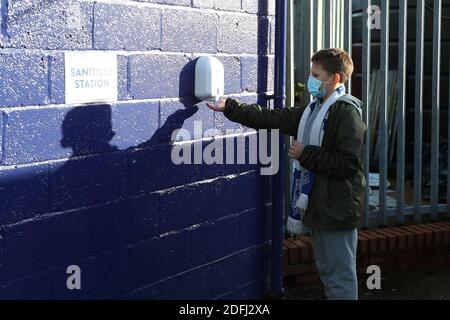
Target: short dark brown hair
{"x":335,"y":60}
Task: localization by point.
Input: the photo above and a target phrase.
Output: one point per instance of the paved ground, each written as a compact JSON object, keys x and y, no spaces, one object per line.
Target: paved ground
{"x":423,"y":285}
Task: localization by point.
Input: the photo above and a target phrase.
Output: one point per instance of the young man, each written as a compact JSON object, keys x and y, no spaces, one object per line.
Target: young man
{"x":329,"y":148}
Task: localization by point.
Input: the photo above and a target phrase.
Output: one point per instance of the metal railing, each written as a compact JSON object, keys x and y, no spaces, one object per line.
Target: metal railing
{"x":337,"y":19}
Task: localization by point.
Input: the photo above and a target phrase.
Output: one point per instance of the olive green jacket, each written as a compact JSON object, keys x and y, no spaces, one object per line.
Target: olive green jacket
{"x":337,"y":195}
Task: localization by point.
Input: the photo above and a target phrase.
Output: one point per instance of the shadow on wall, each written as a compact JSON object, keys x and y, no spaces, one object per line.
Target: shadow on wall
{"x":187,"y":85}
{"x":95,"y":163}
{"x":104,"y":185}
{"x":88,"y":130}
{"x":98,"y":173}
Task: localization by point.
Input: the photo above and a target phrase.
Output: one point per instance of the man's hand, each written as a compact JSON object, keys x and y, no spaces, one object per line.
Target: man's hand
{"x":296,"y":149}
{"x":219,"y":106}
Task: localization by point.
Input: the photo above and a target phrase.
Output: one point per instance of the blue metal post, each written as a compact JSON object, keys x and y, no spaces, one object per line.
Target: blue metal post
{"x":278,"y":189}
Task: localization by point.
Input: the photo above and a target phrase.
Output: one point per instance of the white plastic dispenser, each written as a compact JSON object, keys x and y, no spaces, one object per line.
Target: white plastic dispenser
{"x":209,"y":79}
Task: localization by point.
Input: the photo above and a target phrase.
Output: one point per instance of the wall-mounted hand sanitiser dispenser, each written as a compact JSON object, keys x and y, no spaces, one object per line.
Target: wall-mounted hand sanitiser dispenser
{"x":209,"y":79}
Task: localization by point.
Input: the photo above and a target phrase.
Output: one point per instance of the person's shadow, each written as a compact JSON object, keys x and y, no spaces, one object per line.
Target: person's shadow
{"x":88,"y":130}
{"x":88,"y":177}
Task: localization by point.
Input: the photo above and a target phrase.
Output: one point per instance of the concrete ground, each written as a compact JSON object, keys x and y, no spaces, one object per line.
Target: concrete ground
{"x":421,"y":285}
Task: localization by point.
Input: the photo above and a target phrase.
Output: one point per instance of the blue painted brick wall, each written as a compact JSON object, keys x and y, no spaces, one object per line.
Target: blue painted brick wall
{"x":95,"y":186}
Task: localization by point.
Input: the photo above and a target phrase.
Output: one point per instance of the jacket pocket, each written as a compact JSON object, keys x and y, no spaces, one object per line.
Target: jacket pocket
{"x":341,"y":198}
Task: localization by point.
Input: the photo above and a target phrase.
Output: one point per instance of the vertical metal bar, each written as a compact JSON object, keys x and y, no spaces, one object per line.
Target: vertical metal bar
{"x":329,"y":36}
{"x":348,"y":35}
{"x":335,"y":24}
{"x":290,"y":99}
{"x":290,"y":54}
{"x":315,"y":24}
{"x":311,"y":39}
{"x":341,"y":23}
{"x":341,"y":20}
{"x":312,"y":29}
{"x":402,"y":39}
{"x":327,"y":32}
{"x":365,"y":94}
{"x":435,"y":108}
{"x":448,"y":148}
{"x":383,"y":121}
{"x":418,"y":121}
{"x":278,"y":182}
{"x":332,"y":24}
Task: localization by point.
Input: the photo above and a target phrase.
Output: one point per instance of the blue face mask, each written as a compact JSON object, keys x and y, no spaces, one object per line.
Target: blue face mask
{"x":314,"y":88}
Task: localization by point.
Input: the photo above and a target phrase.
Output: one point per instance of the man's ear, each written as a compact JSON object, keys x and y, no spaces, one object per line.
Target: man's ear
{"x":336,"y":78}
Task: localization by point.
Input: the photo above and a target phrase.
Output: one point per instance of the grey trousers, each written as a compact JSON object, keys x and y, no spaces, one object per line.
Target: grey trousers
{"x":335,"y":257}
